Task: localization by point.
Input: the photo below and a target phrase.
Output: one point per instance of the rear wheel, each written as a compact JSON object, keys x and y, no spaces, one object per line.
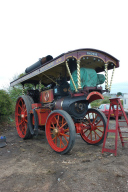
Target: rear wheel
{"x":93,"y":127}
{"x":60,"y":131}
{"x":23,"y":106}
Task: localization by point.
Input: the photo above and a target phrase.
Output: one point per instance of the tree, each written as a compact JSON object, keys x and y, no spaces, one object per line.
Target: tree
{"x":16,"y":91}
{"x":95,"y":104}
{"x":119,"y":94}
{"x":98,"y":102}
{"x":6,"y":106}
{"x":105,"y":100}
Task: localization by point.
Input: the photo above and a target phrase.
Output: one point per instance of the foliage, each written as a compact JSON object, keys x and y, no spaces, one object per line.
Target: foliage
{"x":105,"y":100}
{"x":16,"y":91}
{"x":121,"y":102}
{"x":119,"y":94}
{"x":6,"y":106}
{"x":97,"y":103}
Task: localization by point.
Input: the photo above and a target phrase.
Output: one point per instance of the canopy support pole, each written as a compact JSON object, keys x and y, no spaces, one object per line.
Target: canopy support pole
{"x":23,"y":89}
{"x":106,"y":76}
{"x":78,"y":74}
{"x":39,"y":85}
{"x":111,"y":78}
{"x":71,"y":76}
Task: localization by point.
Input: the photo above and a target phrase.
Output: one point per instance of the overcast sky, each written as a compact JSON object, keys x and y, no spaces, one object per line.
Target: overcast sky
{"x":31,"y":29}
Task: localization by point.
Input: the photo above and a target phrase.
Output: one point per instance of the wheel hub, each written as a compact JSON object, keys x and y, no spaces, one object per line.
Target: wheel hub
{"x":22,"y":115}
{"x":93,"y":127}
{"x":55,"y":131}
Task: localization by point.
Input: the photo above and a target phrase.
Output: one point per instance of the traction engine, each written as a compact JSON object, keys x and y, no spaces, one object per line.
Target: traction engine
{"x":60,"y":107}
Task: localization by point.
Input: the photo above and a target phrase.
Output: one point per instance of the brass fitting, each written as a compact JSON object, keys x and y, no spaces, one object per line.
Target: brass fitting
{"x":78,"y":74}
{"x":71,"y":76}
{"x":106,"y":76}
{"x":111,"y":78}
{"x":39,"y":85}
{"x":23,"y":90}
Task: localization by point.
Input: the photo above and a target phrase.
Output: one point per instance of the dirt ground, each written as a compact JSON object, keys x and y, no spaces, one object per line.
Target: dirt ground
{"x":32,"y":166}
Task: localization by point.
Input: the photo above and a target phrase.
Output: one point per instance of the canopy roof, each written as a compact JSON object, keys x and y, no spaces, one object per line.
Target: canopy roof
{"x":52,"y":70}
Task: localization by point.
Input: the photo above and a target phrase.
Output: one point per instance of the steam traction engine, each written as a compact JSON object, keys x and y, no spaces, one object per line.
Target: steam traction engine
{"x":72,"y":81}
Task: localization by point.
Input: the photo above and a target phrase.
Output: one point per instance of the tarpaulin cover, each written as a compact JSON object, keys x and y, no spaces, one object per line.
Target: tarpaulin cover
{"x":89,"y":78}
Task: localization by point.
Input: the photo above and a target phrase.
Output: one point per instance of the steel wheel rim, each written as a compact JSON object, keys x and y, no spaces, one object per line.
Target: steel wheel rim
{"x":21,"y":118}
{"x":93,"y":130}
{"x":58,"y":133}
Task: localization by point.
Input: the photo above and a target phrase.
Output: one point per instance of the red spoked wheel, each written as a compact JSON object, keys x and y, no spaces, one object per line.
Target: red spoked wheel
{"x":60,"y":131}
{"x":23,"y":106}
{"x":93,"y":127}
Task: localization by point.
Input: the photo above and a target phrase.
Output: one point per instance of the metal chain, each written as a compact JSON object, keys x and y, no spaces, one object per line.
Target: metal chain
{"x":78,"y":74}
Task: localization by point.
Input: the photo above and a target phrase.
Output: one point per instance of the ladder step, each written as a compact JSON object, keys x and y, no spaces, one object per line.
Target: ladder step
{"x":118,"y":129}
{"x":124,"y":126}
{"x":123,"y":131}
{"x":111,"y":130}
{"x":109,"y":150}
{"x":124,"y":137}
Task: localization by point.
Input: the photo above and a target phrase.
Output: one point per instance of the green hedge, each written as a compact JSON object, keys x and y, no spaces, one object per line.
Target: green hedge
{"x":6,"y":105}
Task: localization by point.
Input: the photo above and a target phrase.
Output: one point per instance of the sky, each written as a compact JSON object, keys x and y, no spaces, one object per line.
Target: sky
{"x":31,"y":29}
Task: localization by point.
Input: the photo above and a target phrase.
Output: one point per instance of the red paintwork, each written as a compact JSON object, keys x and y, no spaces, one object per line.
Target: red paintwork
{"x":117,"y":102}
{"x":105,"y":110}
{"x":21,"y":118}
{"x":42,"y":115}
{"x":56,"y":120}
{"x":78,"y":127}
{"x":94,"y":95}
{"x":92,"y":131}
{"x":47,"y":96}
{"x":78,"y":94}
{"x":36,"y":105}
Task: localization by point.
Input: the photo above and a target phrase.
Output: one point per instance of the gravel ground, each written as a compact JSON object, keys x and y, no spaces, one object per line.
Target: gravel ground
{"x":32,"y":166}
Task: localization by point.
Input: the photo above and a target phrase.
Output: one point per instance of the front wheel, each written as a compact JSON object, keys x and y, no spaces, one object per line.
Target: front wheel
{"x":94,"y":125}
{"x":60,"y":131}
{"x":23,"y":106}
